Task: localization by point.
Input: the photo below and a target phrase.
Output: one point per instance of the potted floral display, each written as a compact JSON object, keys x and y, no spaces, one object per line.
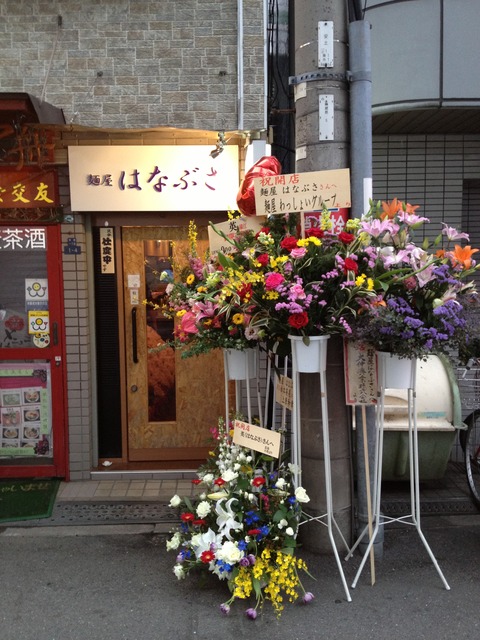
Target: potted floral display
{"x":242,"y":526}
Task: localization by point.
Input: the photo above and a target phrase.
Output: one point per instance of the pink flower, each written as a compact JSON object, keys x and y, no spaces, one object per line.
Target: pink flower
{"x":299,"y":252}
{"x":273,"y":280}
{"x":188,"y":323}
{"x":453,"y":234}
{"x":297,"y":291}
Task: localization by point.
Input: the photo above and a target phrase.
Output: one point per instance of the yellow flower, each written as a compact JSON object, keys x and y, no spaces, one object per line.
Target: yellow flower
{"x":237,"y":318}
{"x":190,"y":279}
{"x":202,"y":289}
{"x":181,"y":313}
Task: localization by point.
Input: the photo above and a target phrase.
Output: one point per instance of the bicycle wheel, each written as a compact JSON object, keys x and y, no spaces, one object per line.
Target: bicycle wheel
{"x":472,"y":455}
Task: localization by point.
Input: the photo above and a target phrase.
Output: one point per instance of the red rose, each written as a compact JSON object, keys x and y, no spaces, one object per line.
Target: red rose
{"x":345,"y":237}
{"x":259,"y":481}
{"x":298,"y":320}
{"x":253,"y":532}
{"x":263,"y":259}
{"x":350,"y":265}
{"x":219,"y":482}
{"x":289,"y":243}
{"x":315,"y":231}
{"x":196,"y":481}
{"x":199,"y":523}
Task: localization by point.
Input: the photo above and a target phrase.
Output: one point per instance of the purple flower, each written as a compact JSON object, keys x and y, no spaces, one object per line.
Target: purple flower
{"x":308,"y":597}
{"x":251,"y":613}
{"x":225,"y":608}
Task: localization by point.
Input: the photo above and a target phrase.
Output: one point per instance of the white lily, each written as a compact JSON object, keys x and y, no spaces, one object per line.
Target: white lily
{"x":226,"y":518}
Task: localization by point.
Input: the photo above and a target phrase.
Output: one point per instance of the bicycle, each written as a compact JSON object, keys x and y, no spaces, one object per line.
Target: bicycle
{"x":469,"y":386}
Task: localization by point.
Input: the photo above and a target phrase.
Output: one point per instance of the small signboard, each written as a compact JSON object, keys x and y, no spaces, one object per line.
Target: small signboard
{"x":107,"y":250}
{"x":298,"y":192}
{"x":38,"y":322}
{"x":285,"y":392}
{"x":256,"y":438}
{"x":230,"y":228}
{"x":360,"y":373}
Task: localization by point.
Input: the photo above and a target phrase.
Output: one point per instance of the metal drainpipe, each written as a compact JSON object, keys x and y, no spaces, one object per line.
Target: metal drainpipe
{"x":240,"y":64}
{"x":361,"y":169}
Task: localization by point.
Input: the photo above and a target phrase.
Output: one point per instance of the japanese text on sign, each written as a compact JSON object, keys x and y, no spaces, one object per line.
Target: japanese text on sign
{"x":256,"y":438}
{"x":299,"y":192}
{"x":14,"y":239}
{"x":285,"y":392}
{"x":107,"y":250}
{"x":230,"y":228}
{"x":360,"y":373}
{"x":152,"y":178}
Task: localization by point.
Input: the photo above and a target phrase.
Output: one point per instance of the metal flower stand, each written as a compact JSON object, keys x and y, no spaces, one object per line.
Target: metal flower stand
{"x":315,"y":364}
{"x":241,"y":366}
{"x":389,"y":368}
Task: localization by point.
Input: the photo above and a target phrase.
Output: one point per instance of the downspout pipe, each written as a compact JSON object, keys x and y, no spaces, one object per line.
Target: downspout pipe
{"x":360,"y":76}
{"x":240,"y":78}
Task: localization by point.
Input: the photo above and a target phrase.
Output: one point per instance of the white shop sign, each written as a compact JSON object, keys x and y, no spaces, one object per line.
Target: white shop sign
{"x":152,"y":178}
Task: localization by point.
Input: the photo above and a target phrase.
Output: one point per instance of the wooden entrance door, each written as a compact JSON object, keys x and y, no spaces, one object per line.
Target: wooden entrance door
{"x":171,"y":402}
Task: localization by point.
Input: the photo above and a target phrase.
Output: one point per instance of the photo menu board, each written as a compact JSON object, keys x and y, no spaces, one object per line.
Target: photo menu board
{"x":25,"y":410}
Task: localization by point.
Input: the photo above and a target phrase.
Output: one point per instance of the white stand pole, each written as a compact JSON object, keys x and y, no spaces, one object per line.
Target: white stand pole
{"x":414,"y":516}
{"x":297,"y":460}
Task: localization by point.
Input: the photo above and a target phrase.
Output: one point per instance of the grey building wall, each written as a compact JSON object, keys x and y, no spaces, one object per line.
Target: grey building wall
{"x":136,"y":63}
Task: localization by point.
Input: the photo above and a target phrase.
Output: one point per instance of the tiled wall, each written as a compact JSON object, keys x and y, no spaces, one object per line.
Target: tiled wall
{"x":428,"y":170}
{"x":136,"y":63}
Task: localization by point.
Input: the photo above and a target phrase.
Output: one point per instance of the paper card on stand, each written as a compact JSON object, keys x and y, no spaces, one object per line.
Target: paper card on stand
{"x":360,"y":373}
{"x":256,"y":438}
{"x":285,"y":392}
{"x":231,"y":228}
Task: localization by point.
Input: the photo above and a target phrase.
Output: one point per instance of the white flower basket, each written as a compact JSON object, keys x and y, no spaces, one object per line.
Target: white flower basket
{"x":311,"y":358}
{"x":240,"y":365}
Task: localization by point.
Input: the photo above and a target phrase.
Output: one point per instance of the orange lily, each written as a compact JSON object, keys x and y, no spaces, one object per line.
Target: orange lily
{"x":390,"y":209}
{"x":462,"y":256}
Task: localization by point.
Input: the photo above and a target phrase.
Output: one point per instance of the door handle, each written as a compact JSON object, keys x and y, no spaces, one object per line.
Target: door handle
{"x":55,"y":333}
{"x":134,"y":335}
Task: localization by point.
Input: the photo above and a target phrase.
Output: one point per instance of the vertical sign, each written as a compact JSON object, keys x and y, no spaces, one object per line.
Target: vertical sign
{"x":325,"y":43}
{"x":325,"y":117}
{"x":107,"y":250}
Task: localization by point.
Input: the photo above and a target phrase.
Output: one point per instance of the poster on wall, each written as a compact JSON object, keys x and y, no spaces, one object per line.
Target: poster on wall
{"x":25,"y":410}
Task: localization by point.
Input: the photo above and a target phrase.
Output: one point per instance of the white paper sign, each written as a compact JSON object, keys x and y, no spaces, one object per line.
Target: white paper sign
{"x":231,"y":228}
{"x":256,"y":438}
{"x":297,"y":192}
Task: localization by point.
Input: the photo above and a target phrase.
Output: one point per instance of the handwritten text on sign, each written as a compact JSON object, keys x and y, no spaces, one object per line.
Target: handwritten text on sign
{"x":297,"y":192}
{"x":230,"y":229}
{"x":256,"y":438}
{"x":360,"y":373}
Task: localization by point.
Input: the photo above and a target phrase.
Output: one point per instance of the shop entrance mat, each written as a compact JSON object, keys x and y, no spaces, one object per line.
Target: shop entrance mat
{"x":29,"y":499}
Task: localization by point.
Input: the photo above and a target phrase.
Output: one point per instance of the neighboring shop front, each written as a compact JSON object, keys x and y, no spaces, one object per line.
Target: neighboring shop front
{"x":33,"y":430}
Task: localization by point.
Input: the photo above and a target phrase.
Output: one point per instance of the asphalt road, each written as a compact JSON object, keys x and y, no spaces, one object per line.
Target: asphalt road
{"x":116,"y":583}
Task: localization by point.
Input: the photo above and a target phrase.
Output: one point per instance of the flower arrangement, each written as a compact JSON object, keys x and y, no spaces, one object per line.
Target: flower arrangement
{"x":242,"y":526}
{"x":208,"y":305}
{"x":422,"y":291}
{"x":299,"y":285}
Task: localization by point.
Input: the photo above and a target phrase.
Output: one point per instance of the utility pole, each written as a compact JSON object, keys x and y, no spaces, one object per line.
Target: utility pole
{"x":322,"y":140}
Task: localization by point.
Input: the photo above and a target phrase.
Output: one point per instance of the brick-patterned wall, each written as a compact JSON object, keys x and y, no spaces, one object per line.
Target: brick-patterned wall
{"x":136,"y":63}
